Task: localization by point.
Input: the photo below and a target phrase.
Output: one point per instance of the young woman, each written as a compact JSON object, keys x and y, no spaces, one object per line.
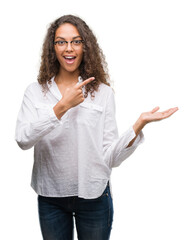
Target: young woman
{"x":69,"y":118}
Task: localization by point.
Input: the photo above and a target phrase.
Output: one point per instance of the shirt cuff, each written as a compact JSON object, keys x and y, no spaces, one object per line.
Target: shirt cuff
{"x":55,"y":120}
{"x":52,"y":117}
{"x":125,"y":151}
{"x":130,"y":135}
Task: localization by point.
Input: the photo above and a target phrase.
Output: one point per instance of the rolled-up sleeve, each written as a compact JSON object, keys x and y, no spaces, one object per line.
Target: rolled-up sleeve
{"x":115,"y":149}
{"x":31,"y":127}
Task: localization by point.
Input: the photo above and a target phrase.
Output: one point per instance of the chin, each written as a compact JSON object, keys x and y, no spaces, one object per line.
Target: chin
{"x":71,"y":69}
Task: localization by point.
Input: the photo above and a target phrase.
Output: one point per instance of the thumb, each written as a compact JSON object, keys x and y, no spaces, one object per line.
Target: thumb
{"x":155,"y":110}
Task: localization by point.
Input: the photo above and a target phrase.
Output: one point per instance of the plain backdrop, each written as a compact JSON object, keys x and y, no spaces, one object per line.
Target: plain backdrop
{"x":149,"y":49}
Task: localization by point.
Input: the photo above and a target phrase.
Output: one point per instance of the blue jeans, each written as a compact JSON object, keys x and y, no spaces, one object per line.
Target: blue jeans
{"x":93,"y":217}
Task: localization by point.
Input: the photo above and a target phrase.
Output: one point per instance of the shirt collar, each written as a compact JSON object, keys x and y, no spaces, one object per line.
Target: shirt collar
{"x":54,"y":88}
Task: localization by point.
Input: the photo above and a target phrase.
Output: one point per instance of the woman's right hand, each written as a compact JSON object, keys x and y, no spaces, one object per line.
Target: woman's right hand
{"x":71,"y":97}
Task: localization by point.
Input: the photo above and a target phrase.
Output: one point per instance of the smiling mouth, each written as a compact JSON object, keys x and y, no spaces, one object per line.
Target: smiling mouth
{"x":69,"y":60}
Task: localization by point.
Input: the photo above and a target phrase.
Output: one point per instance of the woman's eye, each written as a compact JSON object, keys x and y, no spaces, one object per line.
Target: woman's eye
{"x":61,"y":42}
{"x":77,"y":41}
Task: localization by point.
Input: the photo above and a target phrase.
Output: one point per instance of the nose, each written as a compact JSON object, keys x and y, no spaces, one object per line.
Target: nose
{"x":69,"y":47}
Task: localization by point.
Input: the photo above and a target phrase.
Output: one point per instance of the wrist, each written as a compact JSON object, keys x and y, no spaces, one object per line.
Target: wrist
{"x":63,"y":105}
{"x":142,"y":120}
{"x":60,"y":109}
{"x":139,"y":125}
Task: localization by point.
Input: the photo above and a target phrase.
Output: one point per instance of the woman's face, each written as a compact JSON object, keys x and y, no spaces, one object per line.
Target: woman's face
{"x":68,"y":54}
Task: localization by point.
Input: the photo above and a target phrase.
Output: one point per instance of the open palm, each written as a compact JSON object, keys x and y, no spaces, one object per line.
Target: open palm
{"x":154,"y":115}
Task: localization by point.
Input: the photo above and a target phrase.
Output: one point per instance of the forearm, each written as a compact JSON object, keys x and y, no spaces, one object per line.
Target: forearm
{"x":27,"y":134}
{"x":137,"y":127}
{"x":60,"y":109}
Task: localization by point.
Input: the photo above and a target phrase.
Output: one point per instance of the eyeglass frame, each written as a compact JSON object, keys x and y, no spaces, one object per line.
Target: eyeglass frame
{"x":66,"y":42}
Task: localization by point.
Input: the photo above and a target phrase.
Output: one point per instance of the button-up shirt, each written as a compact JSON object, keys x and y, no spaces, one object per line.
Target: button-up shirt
{"x":73,"y":156}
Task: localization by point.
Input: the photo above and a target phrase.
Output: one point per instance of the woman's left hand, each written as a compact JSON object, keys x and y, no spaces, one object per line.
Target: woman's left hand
{"x":154,"y":115}
{"x":151,"y":116}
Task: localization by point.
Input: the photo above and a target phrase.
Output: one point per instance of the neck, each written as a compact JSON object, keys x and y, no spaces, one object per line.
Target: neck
{"x":67,"y":78}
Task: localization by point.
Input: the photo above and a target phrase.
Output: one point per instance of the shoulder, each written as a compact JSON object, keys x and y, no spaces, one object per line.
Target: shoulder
{"x":107,"y":93}
{"x":34,"y":85}
{"x":34,"y":92}
{"x":105,"y":89}
{"x":34,"y":88}
{"x":103,"y":95}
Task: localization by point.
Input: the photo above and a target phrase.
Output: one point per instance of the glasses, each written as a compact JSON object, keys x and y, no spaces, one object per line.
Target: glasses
{"x":74,"y":43}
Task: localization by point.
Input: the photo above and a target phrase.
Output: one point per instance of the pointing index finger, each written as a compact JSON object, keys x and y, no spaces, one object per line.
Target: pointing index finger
{"x":85,"y":82}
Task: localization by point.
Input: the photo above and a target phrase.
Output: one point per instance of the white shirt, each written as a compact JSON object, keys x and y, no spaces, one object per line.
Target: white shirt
{"x":73,"y":156}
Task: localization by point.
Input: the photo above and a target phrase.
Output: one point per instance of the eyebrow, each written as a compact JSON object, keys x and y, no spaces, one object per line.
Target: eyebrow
{"x":72,"y":38}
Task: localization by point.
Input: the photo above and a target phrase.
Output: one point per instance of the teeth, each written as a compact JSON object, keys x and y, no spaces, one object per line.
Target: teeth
{"x":69,"y":57}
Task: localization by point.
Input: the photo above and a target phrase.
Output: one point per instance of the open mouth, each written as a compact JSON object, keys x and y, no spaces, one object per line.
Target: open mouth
{"x":69,"y":59}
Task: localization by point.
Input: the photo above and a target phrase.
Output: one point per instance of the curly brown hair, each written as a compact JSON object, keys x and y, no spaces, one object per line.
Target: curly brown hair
{"x":93,"y":62}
